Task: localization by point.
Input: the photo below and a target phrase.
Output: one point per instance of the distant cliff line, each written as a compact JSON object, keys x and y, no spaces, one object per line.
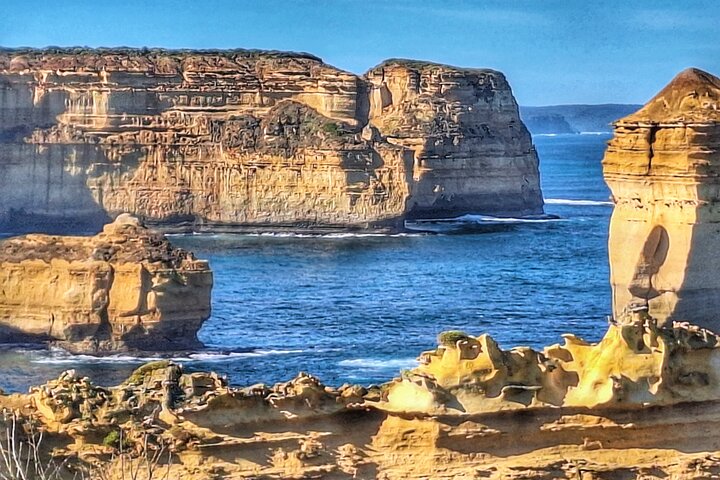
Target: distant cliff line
{"x":247,"y":139}
{"x":564,"y":119}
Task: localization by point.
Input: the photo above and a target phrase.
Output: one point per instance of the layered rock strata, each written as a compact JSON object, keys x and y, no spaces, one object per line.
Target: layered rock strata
{"x":662,"y":166}
{"x":124,"y":288}
{"x":244,"y":139}
{"x":642,"y":403}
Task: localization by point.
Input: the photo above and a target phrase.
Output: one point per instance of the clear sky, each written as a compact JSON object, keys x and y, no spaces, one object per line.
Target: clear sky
{"x":552,"y":51}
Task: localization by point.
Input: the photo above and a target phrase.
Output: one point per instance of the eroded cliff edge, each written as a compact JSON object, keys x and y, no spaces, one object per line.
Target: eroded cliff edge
{"x":642,"y":403}
{"x":245,"y":139}
{"x":663,"y":166}
{"x":124,"y":288}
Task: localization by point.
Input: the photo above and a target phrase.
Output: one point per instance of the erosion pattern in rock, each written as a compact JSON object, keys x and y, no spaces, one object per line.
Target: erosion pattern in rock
{"x":662,"y":167}
{"x":126,"y":287}
{"x":643,"y":403}
{"x":255,"y":139}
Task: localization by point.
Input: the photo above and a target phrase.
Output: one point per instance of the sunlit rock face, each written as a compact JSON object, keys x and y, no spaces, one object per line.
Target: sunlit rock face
{"x":470,"y":148}
{"x":662,"y":167}
{"x":244,"y":139}
{"x":124,"y":288}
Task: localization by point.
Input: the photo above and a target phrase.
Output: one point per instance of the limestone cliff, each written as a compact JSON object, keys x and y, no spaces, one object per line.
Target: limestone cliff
{"x":662,"y":167}
{"x":643,"y":403}
{"x":244,"y":139}
{"x":125,"y":288}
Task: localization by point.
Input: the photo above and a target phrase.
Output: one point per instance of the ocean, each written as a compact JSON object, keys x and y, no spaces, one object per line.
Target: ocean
{"x":360,"y":308}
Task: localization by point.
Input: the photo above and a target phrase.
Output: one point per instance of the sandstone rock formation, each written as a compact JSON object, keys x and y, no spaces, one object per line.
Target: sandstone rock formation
{"x":245,"y":139}
{"x":662,"y":167}
{"x":643,"y":403}
{"x":124,"y":288}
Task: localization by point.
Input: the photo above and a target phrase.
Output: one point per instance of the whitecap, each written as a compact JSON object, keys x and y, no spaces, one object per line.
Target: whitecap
{"x":61,"y":357}
{"x":481,"y":219}
{"x":380,"y":363}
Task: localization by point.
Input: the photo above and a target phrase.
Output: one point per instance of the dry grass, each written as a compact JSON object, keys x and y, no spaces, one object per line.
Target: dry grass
{"x":21,"y":456}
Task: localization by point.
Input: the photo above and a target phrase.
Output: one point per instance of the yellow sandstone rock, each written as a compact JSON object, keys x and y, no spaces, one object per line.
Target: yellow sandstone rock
{"x":642,"y":403}
{"x":662,"y":167}
{"x":242,"y":139}
{"x":124,"y":288}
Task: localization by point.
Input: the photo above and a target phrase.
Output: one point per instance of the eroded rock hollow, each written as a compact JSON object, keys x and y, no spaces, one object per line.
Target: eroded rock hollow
{"x":263,"y":140}
{"x":663,"y":167}
{"x":124,"y":288}
{"x":642,"y":403}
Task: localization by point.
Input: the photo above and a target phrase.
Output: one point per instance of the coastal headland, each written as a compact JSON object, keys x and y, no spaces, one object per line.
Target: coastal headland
{"x":245,"y":140}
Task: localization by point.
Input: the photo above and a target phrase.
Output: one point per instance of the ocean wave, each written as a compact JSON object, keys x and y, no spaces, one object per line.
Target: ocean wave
{"x":482,"y":219}
{"x":568,"y":201}
{"x":379,"y":363}
{"x":339,"y":235}
{"x":61,"y":357}
{"x":569,"y":134}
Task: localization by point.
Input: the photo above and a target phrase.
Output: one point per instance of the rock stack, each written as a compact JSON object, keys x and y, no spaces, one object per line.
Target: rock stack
{"x":125,"y":288}
{"x":240,"y":139}
{"x":663,"y":167}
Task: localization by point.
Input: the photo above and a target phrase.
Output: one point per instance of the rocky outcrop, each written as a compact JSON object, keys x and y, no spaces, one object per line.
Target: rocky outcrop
{"x":663,"y":166}
{"x":244,"y":139}
{"x":642,"y":403}
{"x":125,"y":288}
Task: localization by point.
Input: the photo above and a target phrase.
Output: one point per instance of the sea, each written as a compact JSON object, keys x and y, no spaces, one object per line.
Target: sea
{"x":360,"y":308}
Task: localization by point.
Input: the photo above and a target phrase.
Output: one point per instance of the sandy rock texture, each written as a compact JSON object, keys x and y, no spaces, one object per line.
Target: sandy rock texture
{"x":238,"y":139}
{"x":124,"y":288}
{"x":642,"y":403}
{"x":662,"y":166}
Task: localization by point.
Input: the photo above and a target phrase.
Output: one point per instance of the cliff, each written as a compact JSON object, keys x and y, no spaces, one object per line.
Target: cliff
{"x":125,"y":288}
{"x":241,"y":139}
{"x":662,"y":167}
{"x":643,"y":403}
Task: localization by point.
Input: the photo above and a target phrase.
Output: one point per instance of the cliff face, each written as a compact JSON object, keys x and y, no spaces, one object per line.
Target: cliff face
{"x":471,"y":150}
{"x":640,"y":404}
{"x":662,"y":167}
{"x":254,"y":139}
{"x":125,"y":288}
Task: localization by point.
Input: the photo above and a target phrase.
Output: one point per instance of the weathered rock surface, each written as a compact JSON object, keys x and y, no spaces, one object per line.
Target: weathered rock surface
{"x":244,"y":139}
{"x":663,"y":167}
{"x":643,"y":403}
{"x":124,"y":288}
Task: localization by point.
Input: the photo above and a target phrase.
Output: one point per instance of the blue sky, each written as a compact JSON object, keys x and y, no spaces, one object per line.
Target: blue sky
{"x":589,"y":51}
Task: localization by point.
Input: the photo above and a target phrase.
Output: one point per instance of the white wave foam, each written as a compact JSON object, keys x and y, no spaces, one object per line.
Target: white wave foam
{"x":595,"y":133}
{"x":379,"y":363}
{"x":297,"y":235}
{"x":330,"y":235}
{"x":490,"y":219}
{"x":62,"y":357}
{"x":568,"y":201}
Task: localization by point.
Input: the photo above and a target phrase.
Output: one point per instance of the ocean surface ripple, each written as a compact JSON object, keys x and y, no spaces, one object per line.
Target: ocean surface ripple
{"x":361,"y":307}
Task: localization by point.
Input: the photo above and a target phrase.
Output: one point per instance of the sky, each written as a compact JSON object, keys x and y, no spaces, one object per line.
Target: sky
{"x":552,"y":51}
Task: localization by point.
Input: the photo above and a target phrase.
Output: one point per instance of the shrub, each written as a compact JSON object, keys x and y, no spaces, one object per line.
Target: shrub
{"x":451,"y":337}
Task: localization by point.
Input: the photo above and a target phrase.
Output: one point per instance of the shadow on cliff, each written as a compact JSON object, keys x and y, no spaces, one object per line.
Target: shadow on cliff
{"x":45,"y":185}
{"x":675,"y":270}
{"x":506,"y":434}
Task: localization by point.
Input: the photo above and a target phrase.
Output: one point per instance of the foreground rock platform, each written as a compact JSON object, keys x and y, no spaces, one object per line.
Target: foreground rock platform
{"x":663,"y":168}
{"x":642,"y":403}
{"x":126,"y":288}
{"x":240,"y":140}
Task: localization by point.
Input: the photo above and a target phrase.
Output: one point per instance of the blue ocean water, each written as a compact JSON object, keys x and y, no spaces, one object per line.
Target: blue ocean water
{"x":359,"y":308}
